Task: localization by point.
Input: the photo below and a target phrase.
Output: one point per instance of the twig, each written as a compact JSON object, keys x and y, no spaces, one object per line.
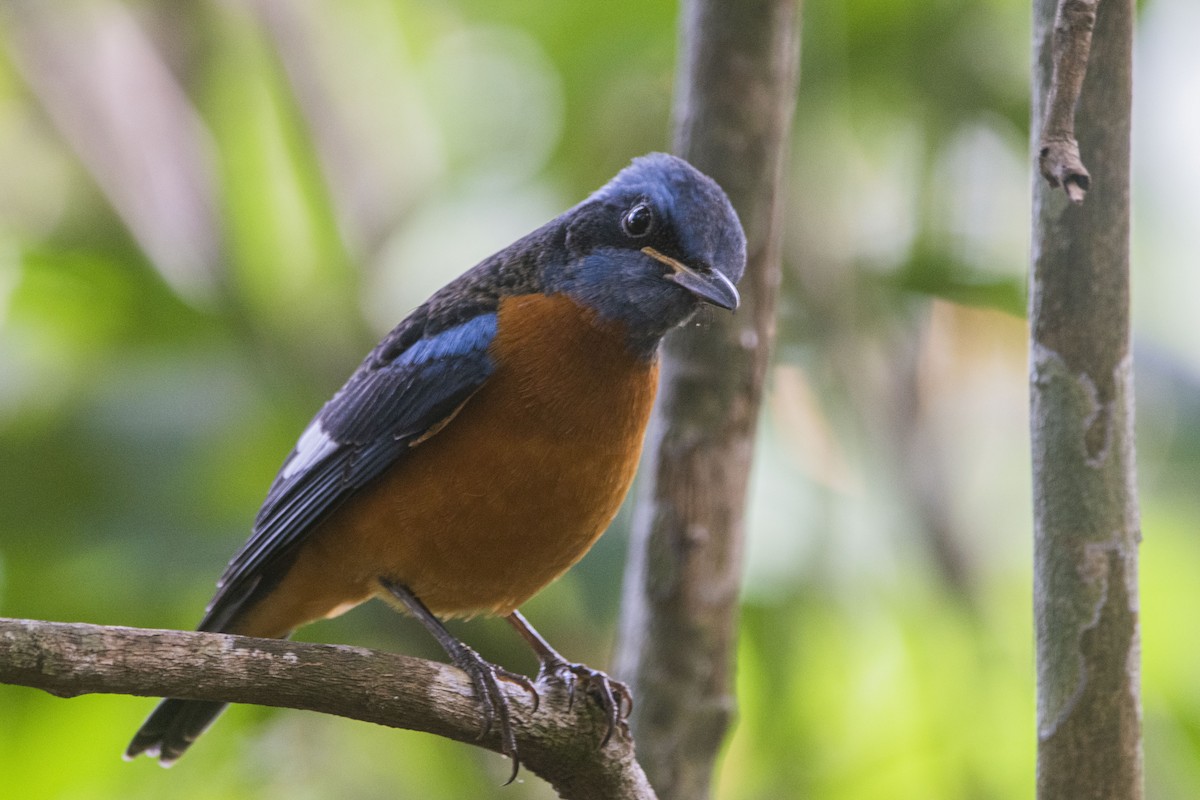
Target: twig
{"x":559,"y":742}
{"x":1058,"y":153}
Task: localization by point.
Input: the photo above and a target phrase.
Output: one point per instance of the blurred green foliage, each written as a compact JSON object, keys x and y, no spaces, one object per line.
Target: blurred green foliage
{"x":351,"y":158}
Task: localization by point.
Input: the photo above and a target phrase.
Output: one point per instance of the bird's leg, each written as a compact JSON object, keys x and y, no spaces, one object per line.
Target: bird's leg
{"x":612,"y":695}
{"x":492,"y":700}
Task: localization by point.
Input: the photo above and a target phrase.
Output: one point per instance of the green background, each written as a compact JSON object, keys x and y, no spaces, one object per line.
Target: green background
{"x":358,"y":154}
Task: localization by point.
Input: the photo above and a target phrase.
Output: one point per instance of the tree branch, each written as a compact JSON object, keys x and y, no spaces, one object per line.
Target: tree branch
{"x":558,"y":743}
{"x":1058,"y":153}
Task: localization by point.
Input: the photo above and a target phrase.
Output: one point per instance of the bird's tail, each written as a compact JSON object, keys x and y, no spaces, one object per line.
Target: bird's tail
{"x":172,"y":727}
{"x":175,"y":724}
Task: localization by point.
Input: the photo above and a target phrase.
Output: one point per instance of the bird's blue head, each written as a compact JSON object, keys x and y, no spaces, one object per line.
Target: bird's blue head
{"x":650,"y":246}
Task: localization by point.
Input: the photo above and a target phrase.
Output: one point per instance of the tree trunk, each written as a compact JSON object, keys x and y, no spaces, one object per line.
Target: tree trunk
{"x":1085,"y":499}
{"x":734,"y":102}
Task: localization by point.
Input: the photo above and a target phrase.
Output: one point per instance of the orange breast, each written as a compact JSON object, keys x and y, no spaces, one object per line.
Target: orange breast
{"x":504,"y":499}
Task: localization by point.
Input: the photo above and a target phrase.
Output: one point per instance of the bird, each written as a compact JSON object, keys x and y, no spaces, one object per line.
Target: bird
{"x":484,"y":445}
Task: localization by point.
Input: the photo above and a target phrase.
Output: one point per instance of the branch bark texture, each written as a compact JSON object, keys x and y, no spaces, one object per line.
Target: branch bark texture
{"x":558,"y":743}
{"x":1085,"y":496}
{"x":1058,"y":155}
{"x":734,"y":100}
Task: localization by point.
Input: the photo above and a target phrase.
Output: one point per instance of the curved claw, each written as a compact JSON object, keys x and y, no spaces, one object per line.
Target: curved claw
{"x":493,"y":703}
{"x":523,"y":682}
{"x":612,"y":696}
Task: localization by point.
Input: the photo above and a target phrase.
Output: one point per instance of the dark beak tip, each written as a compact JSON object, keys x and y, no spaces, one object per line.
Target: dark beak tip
{"x":723,"y":294}
{"x":737,"y":301}
{"x":710,"y":287}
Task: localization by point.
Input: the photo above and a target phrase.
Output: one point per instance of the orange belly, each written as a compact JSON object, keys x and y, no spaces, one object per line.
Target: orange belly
{"x":505,"y":498}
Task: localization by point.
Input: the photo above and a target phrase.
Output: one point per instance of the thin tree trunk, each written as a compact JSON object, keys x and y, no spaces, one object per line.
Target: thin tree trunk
{"x":1085,"y":498}
{"x":734,"y":101}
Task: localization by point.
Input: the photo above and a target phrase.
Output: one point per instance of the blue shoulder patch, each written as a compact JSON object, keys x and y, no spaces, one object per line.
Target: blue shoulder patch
{"x":472,"y":335}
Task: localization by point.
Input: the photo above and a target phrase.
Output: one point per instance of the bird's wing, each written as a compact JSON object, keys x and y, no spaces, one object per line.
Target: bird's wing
{"x":409,"y":386}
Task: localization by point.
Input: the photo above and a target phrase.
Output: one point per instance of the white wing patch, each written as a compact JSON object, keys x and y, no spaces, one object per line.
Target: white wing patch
{"x":313,"y":446}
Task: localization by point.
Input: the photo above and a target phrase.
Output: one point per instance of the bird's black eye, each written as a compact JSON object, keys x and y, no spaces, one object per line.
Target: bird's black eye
{"x":638,"y":221}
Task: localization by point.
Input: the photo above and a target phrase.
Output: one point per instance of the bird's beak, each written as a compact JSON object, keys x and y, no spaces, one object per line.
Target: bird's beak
{"x":711,"y":286}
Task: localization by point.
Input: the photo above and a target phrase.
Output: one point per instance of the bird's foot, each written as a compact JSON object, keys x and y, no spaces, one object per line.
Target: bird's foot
{"x":493,"y":703}
{"x":485,"y":676}
{"x":612,"y":696}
